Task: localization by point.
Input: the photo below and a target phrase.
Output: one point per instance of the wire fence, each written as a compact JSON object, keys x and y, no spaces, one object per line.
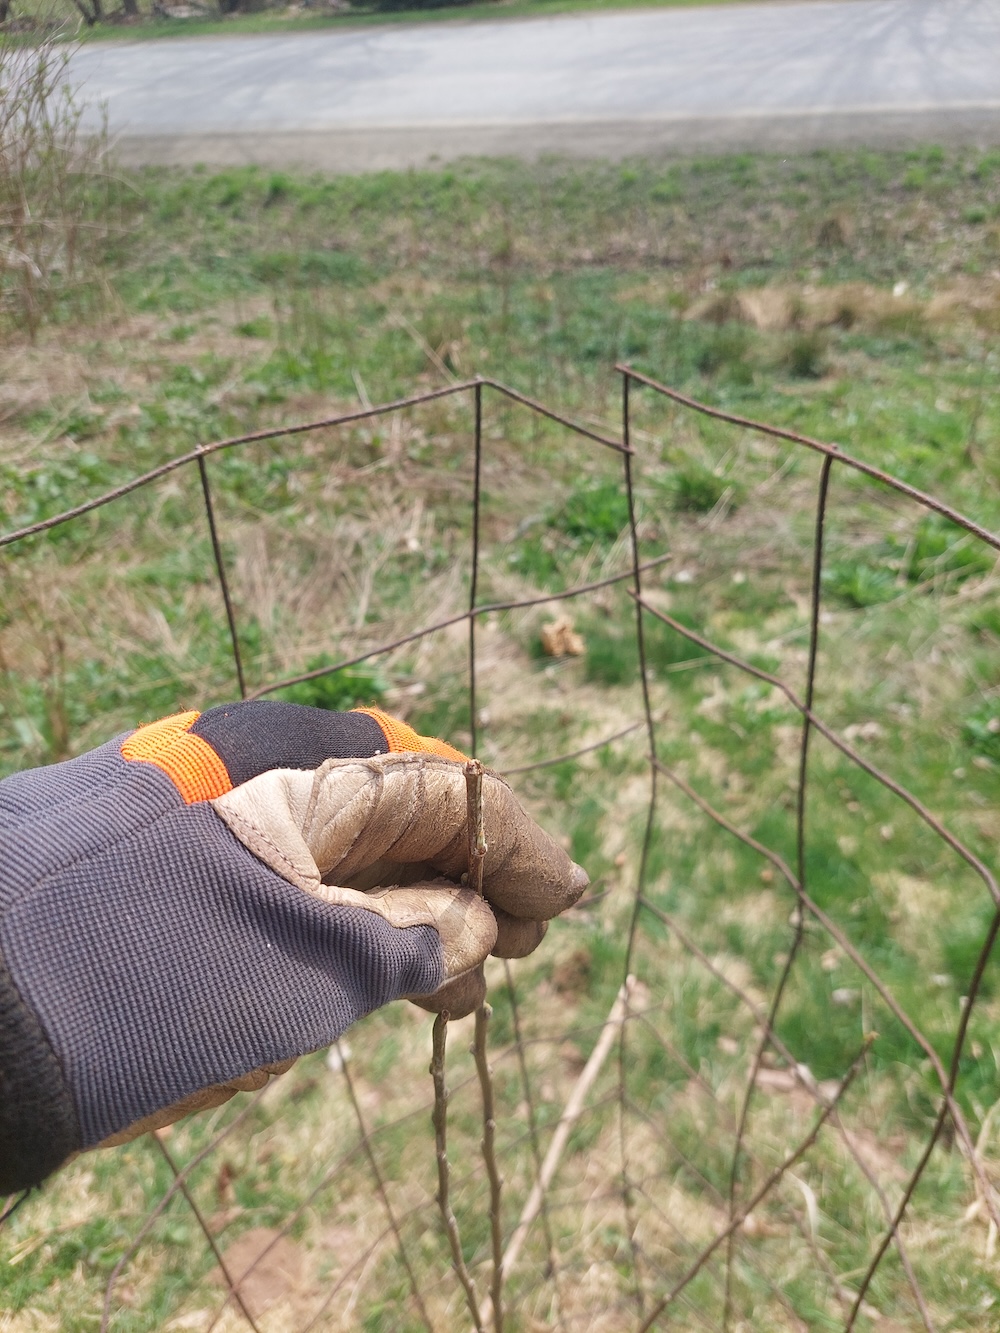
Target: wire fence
{"x":515,"y":1243}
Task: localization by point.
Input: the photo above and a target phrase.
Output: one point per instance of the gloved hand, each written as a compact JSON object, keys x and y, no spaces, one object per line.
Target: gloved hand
{"x":189,"y":908}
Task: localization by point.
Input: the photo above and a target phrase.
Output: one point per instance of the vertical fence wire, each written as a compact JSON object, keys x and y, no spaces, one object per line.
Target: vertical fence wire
{"x":798,"y":926}
{"x":220,"y":569}
{"x":631,"y":1222}
{"x":477,"y":464}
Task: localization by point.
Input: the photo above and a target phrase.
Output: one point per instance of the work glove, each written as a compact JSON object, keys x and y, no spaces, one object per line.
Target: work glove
{"x":189,"y":908}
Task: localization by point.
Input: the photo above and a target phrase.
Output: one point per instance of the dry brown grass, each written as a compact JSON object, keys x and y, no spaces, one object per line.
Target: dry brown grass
{"x":51,"y":221}
{"x":853,"y":305}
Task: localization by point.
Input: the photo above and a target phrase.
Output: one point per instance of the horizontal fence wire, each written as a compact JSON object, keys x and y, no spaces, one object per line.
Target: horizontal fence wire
{"x":669,"y":1285}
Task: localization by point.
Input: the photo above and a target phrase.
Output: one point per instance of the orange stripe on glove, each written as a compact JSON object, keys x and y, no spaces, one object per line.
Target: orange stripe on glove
{"x":188,"y":761}
{"x":200,"y":774}
{"x":402,"y":738}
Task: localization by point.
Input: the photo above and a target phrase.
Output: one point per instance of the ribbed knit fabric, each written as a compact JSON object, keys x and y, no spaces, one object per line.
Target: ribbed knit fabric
{"x":150,"y":954}
{"x":38,"y":1127}
{"x":403,"y":739}
{"x":256,"y":735}
{"x":190,"y":763}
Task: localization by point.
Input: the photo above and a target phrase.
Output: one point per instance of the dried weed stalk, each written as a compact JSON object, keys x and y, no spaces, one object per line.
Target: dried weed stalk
{"x":54,"y":204}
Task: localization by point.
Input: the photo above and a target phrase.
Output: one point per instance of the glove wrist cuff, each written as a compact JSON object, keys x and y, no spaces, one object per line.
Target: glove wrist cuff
{"x":38,"y":1123}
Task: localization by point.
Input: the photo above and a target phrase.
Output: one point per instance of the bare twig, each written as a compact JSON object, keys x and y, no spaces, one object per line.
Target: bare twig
{"x":567,"y":1120}
{"x":440,"y":1122}
{"x":477,"y":855}
{"x":474,"y":816}
{"x":489,"y":1157}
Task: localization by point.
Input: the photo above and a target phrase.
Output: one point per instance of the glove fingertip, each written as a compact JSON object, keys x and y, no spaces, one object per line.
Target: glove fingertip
{"x":516,"y":936}
{"x":540,"y":891}
{"x":579,"y":880}
{"x":457,"y":997}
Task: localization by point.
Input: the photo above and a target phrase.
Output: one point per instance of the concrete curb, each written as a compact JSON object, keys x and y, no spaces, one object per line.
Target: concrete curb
{"x":397,"y":148}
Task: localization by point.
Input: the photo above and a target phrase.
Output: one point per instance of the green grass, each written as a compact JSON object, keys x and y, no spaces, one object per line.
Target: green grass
{"x":247,"y":299}
{"x":392,"y":12}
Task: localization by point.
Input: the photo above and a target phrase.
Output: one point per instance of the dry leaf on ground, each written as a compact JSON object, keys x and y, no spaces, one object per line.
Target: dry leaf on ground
{"x":560,"y":639}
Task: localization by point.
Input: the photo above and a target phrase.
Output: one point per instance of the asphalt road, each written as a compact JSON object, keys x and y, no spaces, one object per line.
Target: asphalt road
{"x":775,"y":75}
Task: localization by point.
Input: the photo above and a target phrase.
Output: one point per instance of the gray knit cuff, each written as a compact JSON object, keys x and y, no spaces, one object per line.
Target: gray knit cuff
{"x":38,"y":1124}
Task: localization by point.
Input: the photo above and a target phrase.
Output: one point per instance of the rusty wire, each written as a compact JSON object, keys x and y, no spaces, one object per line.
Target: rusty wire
{"x":652,"y":1295}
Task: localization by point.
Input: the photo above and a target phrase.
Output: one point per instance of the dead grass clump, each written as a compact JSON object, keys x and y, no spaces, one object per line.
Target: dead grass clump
{"x":49,"y":168}
{"x":718,"y":308}
{"x":770,"y":309}
{"x":780,"y":309}
{"x":852,"y":305}
{"x":835,"y":232}
{"x":968,"y":299}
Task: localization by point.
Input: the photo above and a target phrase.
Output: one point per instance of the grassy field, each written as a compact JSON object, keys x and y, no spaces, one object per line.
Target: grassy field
{"x":852,"y":296}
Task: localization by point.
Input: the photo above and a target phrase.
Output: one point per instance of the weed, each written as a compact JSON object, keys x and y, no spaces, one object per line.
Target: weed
{"x":939,"y":548}
{"x":725,"y":352}
{"x":594,"y":512}
{"x":591,"y":518}
{"x":350,"y":687}
{"x":307,"y":269}
{"x":56,"y":205}
{"x":612,"y":659}
{"x":937,"y":551}
{"x":261,"y":327}
{"x":666,"y":191}
{"x":695,"y":489}
{"x":859,"y":582}
{"x":805,"y":356}
{"x":985,"y":621}
{"x":982,"y":730}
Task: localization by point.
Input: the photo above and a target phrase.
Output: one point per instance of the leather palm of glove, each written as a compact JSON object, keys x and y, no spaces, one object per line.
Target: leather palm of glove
{"x":192,"y":906}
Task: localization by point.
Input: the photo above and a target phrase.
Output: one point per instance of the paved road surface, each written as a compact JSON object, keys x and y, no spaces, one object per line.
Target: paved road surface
{"x":771,"y":75}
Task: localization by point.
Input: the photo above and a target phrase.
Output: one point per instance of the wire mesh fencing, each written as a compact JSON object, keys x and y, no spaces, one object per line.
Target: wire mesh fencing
{"x":730,"y":1090}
